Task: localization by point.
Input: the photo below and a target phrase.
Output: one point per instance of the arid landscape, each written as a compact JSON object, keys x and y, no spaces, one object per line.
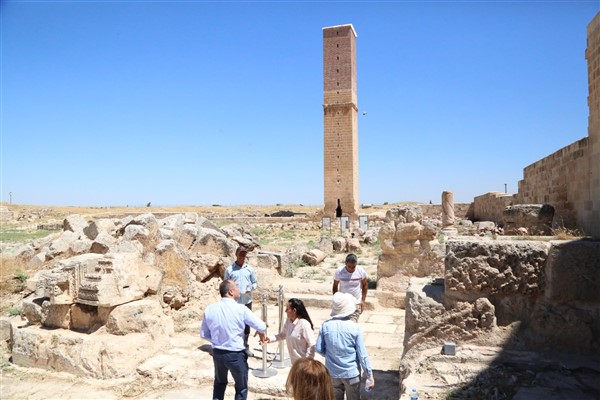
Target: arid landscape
{"x":430,"y":285}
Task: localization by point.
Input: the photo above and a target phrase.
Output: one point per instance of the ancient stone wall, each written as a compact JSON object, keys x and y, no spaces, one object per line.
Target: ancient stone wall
{"x":490,"y":206}
{"x":553,"y":287}
{"x":569,"y":179}
{"x":340,"y":120}
{"x":559,"y":180}
{"x":589,"y":208}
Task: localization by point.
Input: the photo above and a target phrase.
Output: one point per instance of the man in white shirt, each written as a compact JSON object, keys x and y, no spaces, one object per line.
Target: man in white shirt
{"x":352,"y":278}
{"x":223,"y":325}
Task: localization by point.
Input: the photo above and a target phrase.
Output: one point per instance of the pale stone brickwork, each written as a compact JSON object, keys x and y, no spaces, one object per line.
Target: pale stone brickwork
{"x":340,"y":120}
{"x":490,"y":206}
{"x":559,"y":180}
{"x":589,"y":209}
{"x":569,"y":179}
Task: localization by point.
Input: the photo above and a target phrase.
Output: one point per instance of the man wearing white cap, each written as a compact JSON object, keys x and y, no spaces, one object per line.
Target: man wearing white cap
{"x":341,"y":342}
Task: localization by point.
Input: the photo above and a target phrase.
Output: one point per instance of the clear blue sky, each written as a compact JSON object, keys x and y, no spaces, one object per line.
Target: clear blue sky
{"x":112,"y":103}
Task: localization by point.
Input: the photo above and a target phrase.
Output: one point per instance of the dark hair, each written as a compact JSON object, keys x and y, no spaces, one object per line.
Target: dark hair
{"x":225,"y":286}
{"x":301,"y":310}
{"x":351,"y":258}
{"x":309,"y":380}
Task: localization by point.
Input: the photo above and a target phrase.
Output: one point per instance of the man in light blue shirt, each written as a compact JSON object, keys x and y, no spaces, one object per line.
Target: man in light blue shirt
{"x":223,"y":325}
{"x":341,"y":342}
{"x":245,"y":278}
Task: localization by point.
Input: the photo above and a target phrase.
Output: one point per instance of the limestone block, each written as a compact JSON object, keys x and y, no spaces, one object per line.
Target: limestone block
{"x":142,"y":316}
{"x":74,"y":223}
{"x":5,"y":329}
{"x":409,"y":231}
{"x":37,"y":260}
{"x":22,"y":251}
{"x":88,"y":319}
{"x":164,"y":234}
{"x":32,"y":310}
{"x":172,"y":222}
{"x":536,"y":218}
{"x":339,"y":244}
{"x":573,"y":272}
{"x":56,"y":315}
{"x":127,"y":246}
{"x":93,"y":228}
{"x":325,"y":244}
{"x":404,"y":214}
{"x":314,"y":257}
{"x":474,"y":267}
{"x":370,"y":236}
{"x":191,"y":218}
{"x":63,"y":243}
{"x":210,"y":241}
{"x":80,"y":246}
{"x":102,"y":243}
{"x":94,"y":355}
{"x":135,"y":232}
{"x":147,"y":220}
{"x":206,"y":265}
{"x":352,"y":244}
{"x":246,"y":241}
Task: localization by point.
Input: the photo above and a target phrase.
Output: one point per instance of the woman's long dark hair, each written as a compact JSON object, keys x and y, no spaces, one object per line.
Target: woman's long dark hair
{"x":298,"y":305}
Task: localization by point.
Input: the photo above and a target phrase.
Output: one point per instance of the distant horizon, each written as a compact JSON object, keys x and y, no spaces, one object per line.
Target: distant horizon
{"x":107,"y":103}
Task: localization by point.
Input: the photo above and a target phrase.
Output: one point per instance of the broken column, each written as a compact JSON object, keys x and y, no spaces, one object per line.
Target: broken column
{"x":448,"y":228}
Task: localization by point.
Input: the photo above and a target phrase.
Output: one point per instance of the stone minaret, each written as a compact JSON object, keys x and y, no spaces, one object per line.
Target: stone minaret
{"x":340,"y":112}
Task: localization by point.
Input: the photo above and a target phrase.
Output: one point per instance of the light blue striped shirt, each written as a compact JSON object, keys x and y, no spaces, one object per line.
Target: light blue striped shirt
{"x":223,"y":324}
{"x":341,"y":342}
{"x":245,"y":279}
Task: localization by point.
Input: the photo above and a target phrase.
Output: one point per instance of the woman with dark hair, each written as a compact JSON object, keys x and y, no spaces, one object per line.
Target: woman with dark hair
{"x":309,"y":380}
{"x":297,"y":331}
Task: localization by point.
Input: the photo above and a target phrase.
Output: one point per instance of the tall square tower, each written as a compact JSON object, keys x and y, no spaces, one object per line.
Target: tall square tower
{"x":340,"y":112}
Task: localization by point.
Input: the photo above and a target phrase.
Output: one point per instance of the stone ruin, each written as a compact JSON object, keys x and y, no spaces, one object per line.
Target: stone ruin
{"x":519,"y":295}
{"x":112,"y":284}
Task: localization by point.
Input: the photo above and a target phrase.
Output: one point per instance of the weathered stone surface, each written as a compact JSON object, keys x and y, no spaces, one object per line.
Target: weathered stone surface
{"x":74,"y":223}
{"x":475,"y":267}
{"x":314,"y":257}
{"x":88,"y":319}
{"x":96,"y":280}
{"x":205,"y":266}
{"x":80,"y":246}
{"x":32,"y":309}
{"x":37,"y":260}
{"x":210,"y":241}
{"x":93,"y":228}
{"x":339,"y":244}
{"x":102,"y":243}
{"x":92,"y":355}
{"x":127,"y":246}
{"x":536,"y":218}
{"x":56,"y":315}
{"x":135,"y":232}
{"x":62,"y":244}
{"x":573,"y":272}
{"x":352,"y":244}
{"x":142,"y":316}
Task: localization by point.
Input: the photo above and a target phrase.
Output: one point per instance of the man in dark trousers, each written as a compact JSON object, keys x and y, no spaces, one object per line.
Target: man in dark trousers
{"x":223,"y":325}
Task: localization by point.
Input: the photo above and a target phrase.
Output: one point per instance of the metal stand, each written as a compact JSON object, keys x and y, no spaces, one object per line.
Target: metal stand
{"x":281,"y":361}
{"x":265,"y":372}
